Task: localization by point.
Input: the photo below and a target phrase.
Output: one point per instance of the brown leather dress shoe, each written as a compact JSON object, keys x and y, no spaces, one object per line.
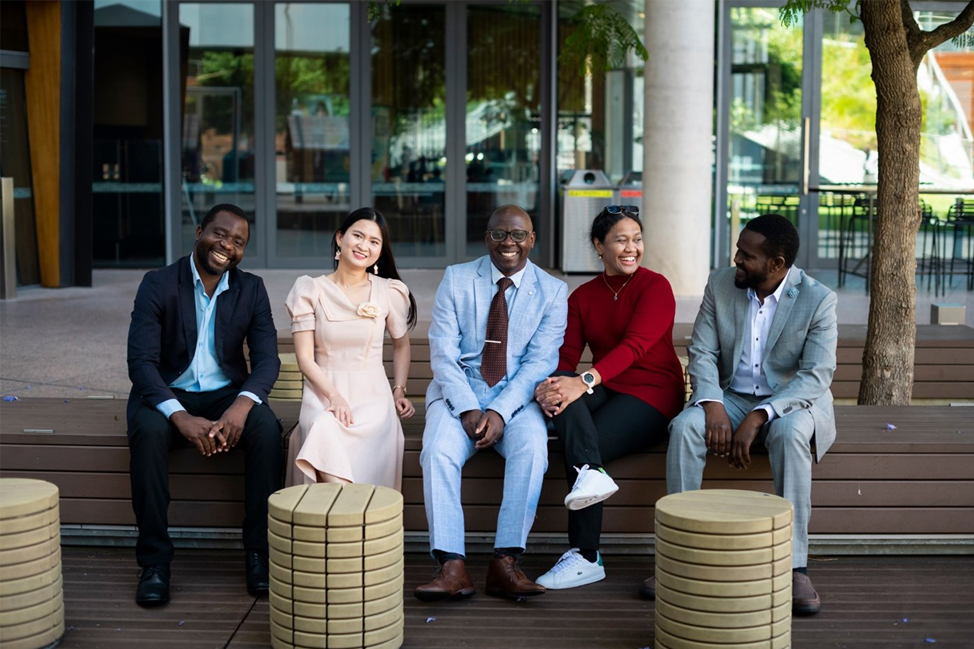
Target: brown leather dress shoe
{"x":505,"y":579}
{"x":648,"y":589}
{"x":451,"y":581}
{"x":804,"y":599}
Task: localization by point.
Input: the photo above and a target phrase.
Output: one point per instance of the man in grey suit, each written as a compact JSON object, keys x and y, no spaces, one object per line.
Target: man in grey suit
{"x":497,"y":325}
{"x":762,"y":357}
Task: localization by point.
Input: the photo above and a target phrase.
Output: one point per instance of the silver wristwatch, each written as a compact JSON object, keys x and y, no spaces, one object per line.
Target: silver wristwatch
{"x":589,"y":380}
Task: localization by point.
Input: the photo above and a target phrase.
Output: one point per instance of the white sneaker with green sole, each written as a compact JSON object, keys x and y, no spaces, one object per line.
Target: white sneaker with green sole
{"x":573,"y":570}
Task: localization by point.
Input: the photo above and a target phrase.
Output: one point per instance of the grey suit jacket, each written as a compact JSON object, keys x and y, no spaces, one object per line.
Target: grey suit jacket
{"x":799,"y":356}
{"x":459,"y":326}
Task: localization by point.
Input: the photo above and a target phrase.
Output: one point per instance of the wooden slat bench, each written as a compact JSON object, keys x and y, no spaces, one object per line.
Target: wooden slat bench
{"x":943,"y":362}
{"x":917,"y":479}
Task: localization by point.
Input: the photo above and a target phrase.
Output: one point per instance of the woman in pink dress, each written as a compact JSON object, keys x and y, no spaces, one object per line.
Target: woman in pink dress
{"x":349,"y":428}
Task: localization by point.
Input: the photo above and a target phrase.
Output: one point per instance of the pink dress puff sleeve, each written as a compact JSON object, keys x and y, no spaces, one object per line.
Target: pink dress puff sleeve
{"x":300,"y":304}
{"x":398,"y":309}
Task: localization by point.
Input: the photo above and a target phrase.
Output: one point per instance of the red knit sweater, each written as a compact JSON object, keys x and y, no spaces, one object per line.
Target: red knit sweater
{"x":631,"y":338}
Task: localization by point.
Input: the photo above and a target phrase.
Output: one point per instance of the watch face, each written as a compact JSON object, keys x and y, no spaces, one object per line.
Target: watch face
{"x":588,"y":378}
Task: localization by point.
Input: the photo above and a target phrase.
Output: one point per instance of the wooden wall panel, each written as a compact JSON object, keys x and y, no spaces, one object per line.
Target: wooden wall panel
{"x":42,"y":83}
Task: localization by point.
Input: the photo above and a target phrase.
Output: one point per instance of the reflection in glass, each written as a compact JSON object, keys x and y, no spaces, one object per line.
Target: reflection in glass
{"x":600,"y":117}
{"x":128,"y":219}
{"x":409,"y":126}
{"x":218,"y":113}
{"x":848,"y":151}
{"x":503,"y":114}
{"x":311,"y":126}
{"x":765,"y":115}
{"x":15,"y":163}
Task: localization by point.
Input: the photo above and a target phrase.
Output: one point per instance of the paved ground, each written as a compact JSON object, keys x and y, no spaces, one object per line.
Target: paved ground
{"x":71,"y":342}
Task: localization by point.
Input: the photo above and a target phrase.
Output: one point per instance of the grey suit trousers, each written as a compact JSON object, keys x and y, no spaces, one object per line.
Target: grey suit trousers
{"x":788,"y":440}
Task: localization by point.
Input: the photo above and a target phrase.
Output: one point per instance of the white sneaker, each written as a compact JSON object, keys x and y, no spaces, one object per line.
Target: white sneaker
{"x":591,"y":486}
{"x":572,"y":570}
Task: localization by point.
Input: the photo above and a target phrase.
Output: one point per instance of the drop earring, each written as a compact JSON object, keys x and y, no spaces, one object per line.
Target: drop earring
{"x":375,"y":269}
{"x":338,"y":254}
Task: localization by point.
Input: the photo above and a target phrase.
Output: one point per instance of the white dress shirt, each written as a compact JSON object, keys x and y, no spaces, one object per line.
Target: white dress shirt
{"x":749,"y":377}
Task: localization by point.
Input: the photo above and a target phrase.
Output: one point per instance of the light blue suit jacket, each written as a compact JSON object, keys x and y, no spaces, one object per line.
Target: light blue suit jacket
{"x":536,"y":329}
{"x":799,"y":358}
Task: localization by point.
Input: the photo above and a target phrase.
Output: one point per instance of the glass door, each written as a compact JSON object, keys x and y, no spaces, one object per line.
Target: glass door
{"x":218,"y":164}
{"x":410,"y":170}
{"x":312,"y":134}
{"x":503,"y":114}
{"x":762,"y":125}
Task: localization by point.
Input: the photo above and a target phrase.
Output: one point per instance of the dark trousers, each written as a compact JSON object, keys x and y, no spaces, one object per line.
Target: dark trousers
{"x":596,"y":429}
{"x":151,"y":437}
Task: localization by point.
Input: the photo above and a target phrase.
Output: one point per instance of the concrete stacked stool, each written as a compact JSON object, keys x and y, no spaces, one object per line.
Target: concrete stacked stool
{"x":336,"y":567}
{"x":723,"y":570}
{"x":31,"y":604}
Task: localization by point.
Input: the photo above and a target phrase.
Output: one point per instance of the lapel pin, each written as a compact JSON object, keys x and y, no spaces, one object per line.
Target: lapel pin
{"x":793,"y":292}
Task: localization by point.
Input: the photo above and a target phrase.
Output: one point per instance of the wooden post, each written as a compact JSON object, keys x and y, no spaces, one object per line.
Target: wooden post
{"x":42,"y":84}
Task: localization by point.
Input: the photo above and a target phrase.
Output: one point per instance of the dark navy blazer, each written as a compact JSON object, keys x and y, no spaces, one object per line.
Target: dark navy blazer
{"x":162,"y":336}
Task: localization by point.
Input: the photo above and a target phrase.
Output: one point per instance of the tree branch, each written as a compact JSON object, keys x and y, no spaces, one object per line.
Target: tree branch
{"x":931,"y":39}
{"x":913,"y":31}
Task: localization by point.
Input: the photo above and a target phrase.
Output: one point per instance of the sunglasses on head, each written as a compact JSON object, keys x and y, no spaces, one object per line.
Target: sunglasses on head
{"x":620,"y":209}
{"x":517,"y":236}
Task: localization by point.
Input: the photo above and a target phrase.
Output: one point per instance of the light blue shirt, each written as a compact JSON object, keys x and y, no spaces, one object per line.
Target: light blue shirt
{"x":204,"y":373}
{"x":511,"y":294}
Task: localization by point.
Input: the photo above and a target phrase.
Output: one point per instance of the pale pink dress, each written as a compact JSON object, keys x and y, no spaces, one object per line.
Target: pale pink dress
{"x":348,"y":349}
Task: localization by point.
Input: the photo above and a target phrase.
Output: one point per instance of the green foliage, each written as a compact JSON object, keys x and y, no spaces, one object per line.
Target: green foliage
{"x":227,"y":69}
{"x":601,"y":40}
{"x":848,"y":93}
{"x":795,"y":9}
{"x":375,"y":12}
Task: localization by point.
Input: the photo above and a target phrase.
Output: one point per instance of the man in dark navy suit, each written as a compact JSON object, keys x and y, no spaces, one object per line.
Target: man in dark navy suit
{"x":190,"y":387}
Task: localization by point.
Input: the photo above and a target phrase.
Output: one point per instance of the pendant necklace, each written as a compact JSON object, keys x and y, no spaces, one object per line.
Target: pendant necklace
{"x":615,"y":294}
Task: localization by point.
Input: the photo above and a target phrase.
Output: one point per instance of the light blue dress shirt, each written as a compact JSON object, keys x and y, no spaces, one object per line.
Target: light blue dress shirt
{"x":204,"y":373}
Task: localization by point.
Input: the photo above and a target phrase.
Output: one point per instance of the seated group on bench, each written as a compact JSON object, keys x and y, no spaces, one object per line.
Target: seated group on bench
{"x":505,"y":345}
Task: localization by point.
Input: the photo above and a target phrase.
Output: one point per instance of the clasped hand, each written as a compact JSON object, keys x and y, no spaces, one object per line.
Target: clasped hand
{"x":210,"y":437}
{"x":485,"y":428}
{"x":556,"y":393}
{"x":735,"y":445}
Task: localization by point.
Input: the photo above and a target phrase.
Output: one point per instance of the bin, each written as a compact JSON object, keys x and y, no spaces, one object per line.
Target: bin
{"x":584,"y":194}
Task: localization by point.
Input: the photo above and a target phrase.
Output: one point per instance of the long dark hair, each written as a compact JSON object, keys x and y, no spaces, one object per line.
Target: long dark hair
{"x":386,"y":261}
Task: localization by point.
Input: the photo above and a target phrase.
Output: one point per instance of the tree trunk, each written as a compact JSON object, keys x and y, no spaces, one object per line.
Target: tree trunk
{"x":887,"y":367}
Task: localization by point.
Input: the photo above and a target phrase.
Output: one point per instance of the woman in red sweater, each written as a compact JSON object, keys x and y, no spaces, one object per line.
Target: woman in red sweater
{"x":625,"y":400}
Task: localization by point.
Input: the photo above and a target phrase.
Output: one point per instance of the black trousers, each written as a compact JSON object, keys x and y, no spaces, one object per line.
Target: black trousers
{"x":151,"y":437}
{"x":596,"y":429}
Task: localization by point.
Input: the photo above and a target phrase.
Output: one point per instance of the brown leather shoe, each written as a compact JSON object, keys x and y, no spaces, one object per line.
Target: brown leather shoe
{"x":648,"y":589}
{"x":804,"y":599}
{"x":451,"y":581}
{"x":505,"y":579}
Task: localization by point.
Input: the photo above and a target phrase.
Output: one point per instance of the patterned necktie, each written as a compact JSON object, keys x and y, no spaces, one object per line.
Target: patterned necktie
{"x":493,"y":365}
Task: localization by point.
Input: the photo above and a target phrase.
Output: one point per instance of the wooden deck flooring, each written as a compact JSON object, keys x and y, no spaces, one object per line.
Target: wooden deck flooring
{"x":881,"y":602}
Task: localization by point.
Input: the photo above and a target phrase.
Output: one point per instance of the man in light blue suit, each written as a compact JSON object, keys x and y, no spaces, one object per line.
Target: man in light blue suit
{"x":497,"y":325}
{"x":762,"y":357}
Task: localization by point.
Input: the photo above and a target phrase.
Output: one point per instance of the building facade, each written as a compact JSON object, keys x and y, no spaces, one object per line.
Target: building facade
{"x":435,"y":114}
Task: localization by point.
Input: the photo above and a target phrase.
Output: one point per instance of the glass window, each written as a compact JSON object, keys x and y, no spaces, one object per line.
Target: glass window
{"x":311,"y":126}
{"x":217,"y":41}
{"x":409,"y":126}
{"x":764,"y":166}
{"x":600,"y":117}
{"x":128,"y":217}
{"x":847,"y":143}
{"x":503,"y":120}
{"x":13,"y":26}
{"x":15,"y":163}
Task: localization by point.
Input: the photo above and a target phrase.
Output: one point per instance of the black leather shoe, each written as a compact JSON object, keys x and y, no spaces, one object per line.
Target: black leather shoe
{"x":258,"y":583}
{"x":153,"y":589}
